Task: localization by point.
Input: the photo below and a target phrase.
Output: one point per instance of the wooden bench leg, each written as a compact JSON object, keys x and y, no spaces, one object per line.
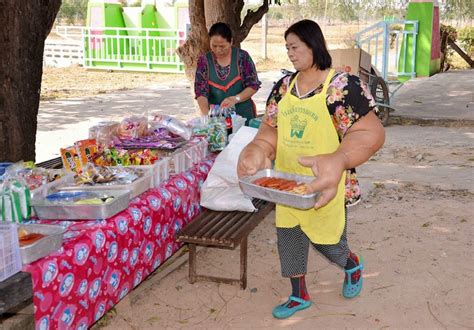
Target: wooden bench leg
{"x":192,"y":263}
{"x":243,"y":263}
{"x":193,"y":277}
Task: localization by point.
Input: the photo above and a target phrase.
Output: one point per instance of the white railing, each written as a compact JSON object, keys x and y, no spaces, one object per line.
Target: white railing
{"x":132,"y":49}
{"x":60,"y":53}
{"x":69,"y":32}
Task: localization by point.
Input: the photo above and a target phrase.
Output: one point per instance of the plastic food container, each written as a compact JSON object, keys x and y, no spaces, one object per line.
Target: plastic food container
{"x":48,"y":188}
{"x":237,"y":123}
{"x":161,"y":171}
{"x":136,"y":188}
{"x":10,"y":259}
{"x":298,"y":201}
{"x":178,"y":161}
{"x":52,"y":241}
{"x":63,"y":205}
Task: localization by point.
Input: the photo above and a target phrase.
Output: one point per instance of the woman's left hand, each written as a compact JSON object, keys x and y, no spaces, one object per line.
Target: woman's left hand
{"x":228,"y":102}
{"x":327,"y":169}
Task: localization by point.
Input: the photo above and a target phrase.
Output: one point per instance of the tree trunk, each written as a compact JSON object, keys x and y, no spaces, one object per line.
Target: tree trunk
{"x":197,"y":42}
{"x":227,"y":11}
{"x":26,"y":24}
{"x":204,"y":13}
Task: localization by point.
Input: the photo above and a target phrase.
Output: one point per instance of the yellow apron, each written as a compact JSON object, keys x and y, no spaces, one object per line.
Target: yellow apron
{"x":305,"y":128}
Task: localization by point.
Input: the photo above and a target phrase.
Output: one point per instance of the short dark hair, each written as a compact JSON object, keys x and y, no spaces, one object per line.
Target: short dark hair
{"x":310,"y":33}
{"x":221,"y":29}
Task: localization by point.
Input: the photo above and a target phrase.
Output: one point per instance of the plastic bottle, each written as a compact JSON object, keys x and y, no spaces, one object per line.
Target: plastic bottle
{"x":228,"y":120}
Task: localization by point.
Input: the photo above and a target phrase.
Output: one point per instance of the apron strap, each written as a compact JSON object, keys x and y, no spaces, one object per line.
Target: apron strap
{"x":327,"y":81}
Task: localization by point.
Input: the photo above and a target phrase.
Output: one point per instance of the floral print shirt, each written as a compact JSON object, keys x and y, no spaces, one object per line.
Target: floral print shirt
{"x":246,"y":68}
{"x":348,"y":99}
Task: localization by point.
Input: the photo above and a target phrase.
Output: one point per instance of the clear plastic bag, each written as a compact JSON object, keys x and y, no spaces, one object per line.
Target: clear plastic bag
{"x":174,"y":125}
{"x":133,"y":127}
{"x":217,"y":134}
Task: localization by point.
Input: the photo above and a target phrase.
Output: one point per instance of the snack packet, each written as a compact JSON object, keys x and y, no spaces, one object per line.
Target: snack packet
{"x":86,"y":149}
{"x":71,"y":159}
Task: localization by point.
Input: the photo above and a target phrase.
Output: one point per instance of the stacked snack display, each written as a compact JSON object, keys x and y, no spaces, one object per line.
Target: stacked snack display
{"x":114,"y":157}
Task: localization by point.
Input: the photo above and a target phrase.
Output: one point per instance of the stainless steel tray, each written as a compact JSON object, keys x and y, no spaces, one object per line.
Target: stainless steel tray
{"x":136,"y":187}
{"x":298,"y":201}
{"x":51,"y":242}
{"x":66,"y":209}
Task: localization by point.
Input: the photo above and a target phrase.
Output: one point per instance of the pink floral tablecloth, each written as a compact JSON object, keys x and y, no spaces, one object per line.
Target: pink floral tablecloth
{"x":101,"y":261}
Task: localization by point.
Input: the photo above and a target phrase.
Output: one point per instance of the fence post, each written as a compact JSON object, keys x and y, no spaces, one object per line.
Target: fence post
{"x":264,"y":36}
{"x":386,"y":48}
{"x":413,"y":57}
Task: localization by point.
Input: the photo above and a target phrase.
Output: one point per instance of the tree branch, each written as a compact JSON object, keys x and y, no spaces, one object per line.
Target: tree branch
{"x":238,"y":6}
{"x":252,"y":18}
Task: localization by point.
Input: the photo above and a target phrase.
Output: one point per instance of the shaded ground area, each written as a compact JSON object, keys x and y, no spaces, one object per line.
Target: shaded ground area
{"x":75,"y":81}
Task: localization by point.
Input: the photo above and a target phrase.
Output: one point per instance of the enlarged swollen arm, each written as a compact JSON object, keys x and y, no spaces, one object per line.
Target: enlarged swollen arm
{"x":259,"y":153}
{"x":361,"y":141}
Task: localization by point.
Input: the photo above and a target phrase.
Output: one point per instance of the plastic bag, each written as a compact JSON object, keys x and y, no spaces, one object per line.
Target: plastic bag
{"x":174,"y":125}
{"x":133,"y":127}
{"x":221,"y":191}
{"x":104,"y":132}
{"x":15,"y":201}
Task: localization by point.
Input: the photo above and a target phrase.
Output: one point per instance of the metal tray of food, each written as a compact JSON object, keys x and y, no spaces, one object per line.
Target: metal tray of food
{"x":135,"y":188}
{"x":50,"y":242}
{"x":296,"y":200}
{"x":81,"y":204}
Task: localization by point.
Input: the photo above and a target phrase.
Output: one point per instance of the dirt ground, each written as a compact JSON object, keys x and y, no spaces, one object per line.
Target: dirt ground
{"x":414,"y":234}
{"x":75,"y":81}
{"x":414,"y":228}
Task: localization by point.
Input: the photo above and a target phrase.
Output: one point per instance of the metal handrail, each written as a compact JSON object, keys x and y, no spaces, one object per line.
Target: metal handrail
{"x":378,"y":36}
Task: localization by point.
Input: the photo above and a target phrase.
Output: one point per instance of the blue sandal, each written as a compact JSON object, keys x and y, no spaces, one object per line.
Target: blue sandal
{"x":283,"y":311}
{"x":349,"y":289}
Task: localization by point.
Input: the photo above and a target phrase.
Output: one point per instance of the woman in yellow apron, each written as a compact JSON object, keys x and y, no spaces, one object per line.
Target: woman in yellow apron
{"x":318,"y":122}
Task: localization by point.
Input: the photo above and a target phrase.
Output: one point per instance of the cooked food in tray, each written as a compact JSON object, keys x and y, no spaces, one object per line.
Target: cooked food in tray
{"x":27,"y":238}
{"x":280,"y":187}
{"x":282,"y":184}
{"x":38,"y":240}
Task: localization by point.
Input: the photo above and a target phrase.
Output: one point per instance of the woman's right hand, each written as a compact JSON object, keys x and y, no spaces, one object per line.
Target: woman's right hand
{"x":252,"y":159}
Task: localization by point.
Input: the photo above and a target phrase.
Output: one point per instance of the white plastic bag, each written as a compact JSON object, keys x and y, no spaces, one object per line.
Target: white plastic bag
{"x":221,"y":191}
